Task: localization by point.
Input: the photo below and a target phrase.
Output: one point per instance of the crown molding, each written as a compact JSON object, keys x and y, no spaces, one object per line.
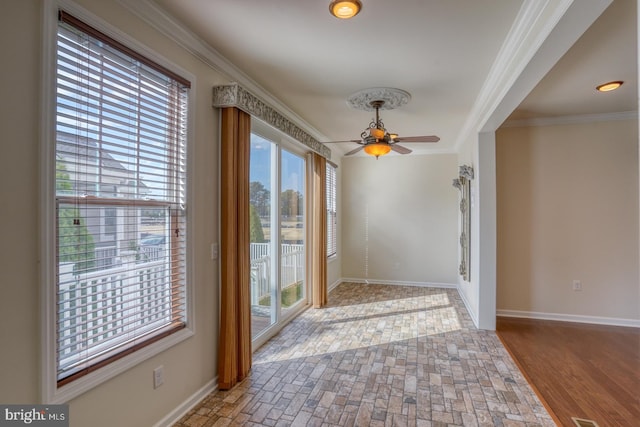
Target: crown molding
{"x":167,"y":25}
{"x":569,"y":120}
{"x":534,"y":22}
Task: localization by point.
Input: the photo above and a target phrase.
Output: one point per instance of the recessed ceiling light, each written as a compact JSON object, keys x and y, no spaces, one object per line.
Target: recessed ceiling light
{"x":345,"y":9}
{"x":606,"y":87}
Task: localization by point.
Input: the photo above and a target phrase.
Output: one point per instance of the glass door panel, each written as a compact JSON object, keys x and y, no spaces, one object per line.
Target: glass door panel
{"x":292,"y":257}
{"x":277,"y":230}
{"x":263,"y":293}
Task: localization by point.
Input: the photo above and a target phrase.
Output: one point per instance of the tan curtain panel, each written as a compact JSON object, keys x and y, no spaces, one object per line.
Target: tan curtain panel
{"x":319,"y":232}
{"x":234,"y":358}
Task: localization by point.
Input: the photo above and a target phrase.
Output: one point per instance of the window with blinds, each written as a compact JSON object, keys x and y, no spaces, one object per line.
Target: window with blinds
{"x":120,"y":195}
{"x":332,"y":222}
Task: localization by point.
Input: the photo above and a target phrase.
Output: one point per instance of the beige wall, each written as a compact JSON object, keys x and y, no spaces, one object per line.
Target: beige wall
{"x":400,"y":218}
{"x":568,"y":210}
{"x":128,"y":399}
{"x":19,"y":328}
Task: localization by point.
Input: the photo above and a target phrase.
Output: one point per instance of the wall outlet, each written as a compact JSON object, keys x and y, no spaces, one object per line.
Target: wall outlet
{"x":214,"y":251}
{"x":577,"y":285}
{"x":158,"y":376}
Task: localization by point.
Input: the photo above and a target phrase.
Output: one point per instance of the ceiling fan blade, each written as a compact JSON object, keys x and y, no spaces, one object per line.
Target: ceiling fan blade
{"x":354,"y":151}
{"x":357,"y":141}
{"x":430,"y":138}
{"x":400,"y":149}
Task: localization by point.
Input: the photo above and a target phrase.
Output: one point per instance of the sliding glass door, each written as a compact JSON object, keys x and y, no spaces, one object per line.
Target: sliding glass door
{"x":277,"y":228}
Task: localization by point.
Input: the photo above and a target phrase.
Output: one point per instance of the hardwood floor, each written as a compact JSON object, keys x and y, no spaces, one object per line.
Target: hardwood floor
{"x":578,"y":370}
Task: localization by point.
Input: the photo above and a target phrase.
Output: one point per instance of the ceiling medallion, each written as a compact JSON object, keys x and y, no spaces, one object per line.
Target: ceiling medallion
{"x":391,"y":97}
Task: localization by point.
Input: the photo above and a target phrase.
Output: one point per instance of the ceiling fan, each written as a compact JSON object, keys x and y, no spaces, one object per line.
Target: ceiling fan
{"x":377,"y":141}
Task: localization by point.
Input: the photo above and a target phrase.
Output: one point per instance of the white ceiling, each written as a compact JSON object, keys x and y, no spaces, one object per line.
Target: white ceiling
{"x":440,"y":51}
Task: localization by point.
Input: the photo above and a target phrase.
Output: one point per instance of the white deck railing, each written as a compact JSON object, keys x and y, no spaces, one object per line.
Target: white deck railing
{"x":104,"y":308}
{"x":291,"y":271}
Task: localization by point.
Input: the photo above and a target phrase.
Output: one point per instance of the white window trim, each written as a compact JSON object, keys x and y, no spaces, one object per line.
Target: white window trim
{"x":334,"y":255}
{"x":50,"y":393}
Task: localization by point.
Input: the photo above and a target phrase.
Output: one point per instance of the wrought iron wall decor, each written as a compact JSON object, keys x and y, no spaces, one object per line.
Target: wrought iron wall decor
{"x":463,"y":183}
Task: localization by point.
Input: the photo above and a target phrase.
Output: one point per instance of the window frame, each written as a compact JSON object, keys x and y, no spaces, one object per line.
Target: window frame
{"x":51,"y":392}
{"x":282,"y":141}
{"x":334,"y":243}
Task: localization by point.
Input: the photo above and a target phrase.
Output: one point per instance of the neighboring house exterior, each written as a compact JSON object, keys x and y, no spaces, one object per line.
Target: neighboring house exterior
{"x":110,"y":227}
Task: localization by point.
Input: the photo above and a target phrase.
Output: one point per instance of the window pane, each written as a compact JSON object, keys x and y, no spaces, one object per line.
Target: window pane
{"x":120,"y":202}
{"x":292,"y":201}
{"x":262,"y":291}
{"x":111,"y":292}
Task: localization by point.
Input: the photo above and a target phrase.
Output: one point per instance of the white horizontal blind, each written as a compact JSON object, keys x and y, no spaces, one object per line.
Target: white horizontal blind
{"x":120,"y":200}
{"x":332,"y":217}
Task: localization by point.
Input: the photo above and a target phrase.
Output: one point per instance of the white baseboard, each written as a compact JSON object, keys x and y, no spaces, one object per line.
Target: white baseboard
{"x":611,"y":321}
{"x":174,"y":416}
{"x":398,"y":283}
{"x":472,"y":313}
{"x":334,"y":284}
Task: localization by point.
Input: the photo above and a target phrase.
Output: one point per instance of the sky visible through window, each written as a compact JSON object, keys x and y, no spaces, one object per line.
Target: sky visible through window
{"x":119,"y":105}
{"x":260,"y":166}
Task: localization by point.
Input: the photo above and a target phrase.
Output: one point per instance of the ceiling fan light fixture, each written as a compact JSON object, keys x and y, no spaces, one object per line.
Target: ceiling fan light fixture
{"x":377,"y":149}
{"x":377,"y":133}
{"x":375,"y":140}
{"x":345,"y":9}
{"x":608,"y":87}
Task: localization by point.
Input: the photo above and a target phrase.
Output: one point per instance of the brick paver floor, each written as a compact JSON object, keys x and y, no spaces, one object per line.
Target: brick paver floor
{"x":379,"y":355}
